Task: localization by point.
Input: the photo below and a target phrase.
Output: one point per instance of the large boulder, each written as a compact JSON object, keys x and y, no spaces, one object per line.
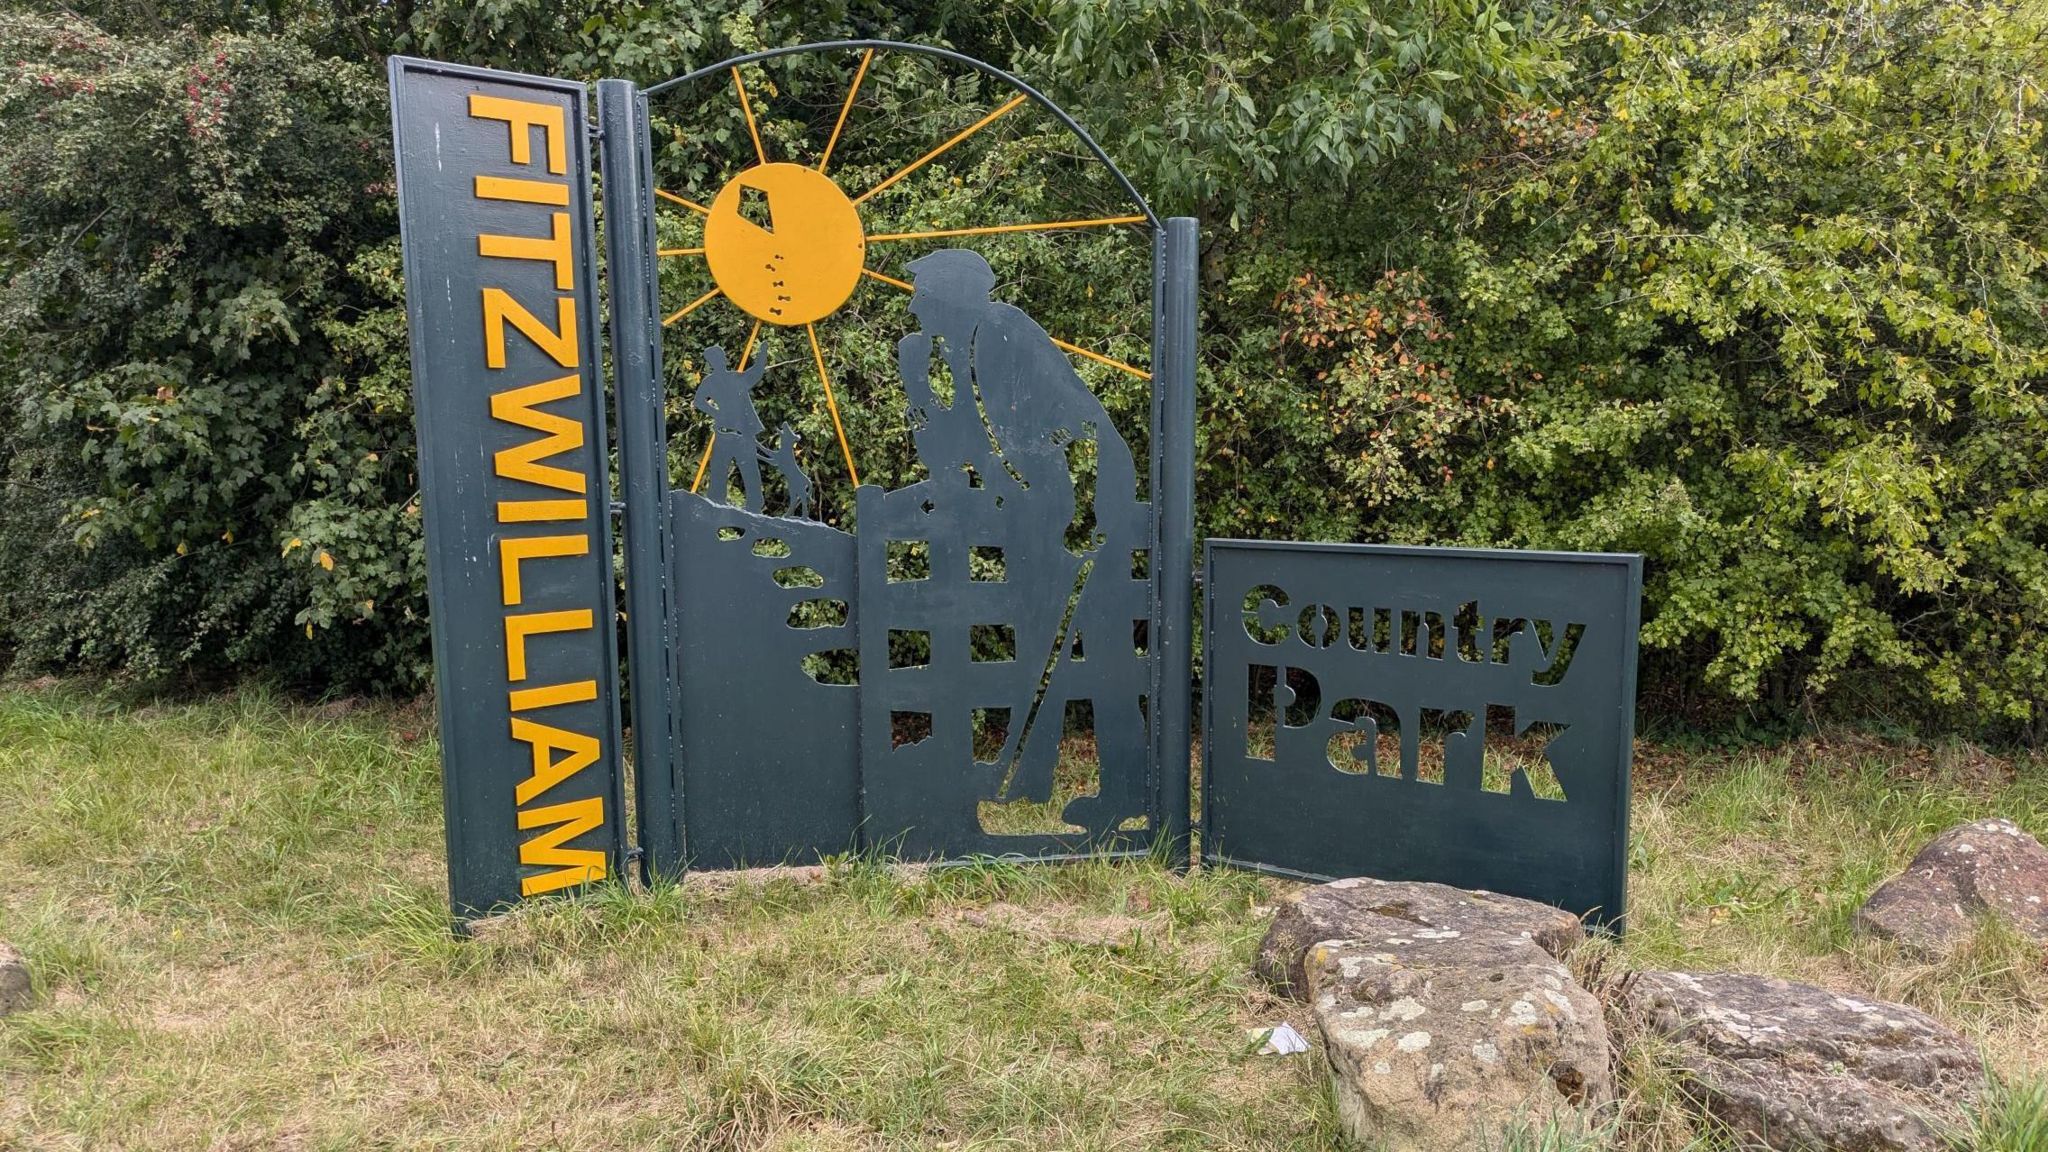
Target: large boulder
{"x":15,"y":989}
{"x":1445,"y":1014}
{"x":1437,"y":1039}
{"x":1798,"y":1067}
{"x":1365,"y":909}
{"x":1986,"y":867}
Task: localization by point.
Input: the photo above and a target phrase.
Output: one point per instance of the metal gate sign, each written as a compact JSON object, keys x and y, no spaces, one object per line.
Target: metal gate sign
{"x":936,"y":604}
{"x":988,"y":655}
{"x":1449,"y":714}
{"x":494,"y":204}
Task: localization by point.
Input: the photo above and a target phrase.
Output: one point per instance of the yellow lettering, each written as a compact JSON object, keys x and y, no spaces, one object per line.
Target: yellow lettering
{"x":548,"y":695}
{"x":520,"y":626}
{"x":548,"y":771}
{"x":522,"y":117}
{"x":561,"y":434}
{"x":535,"y":511}
{"x":572,"y":865}
{"x":522,"y":191}
{"x":559,"y":343}
{"x":554,"y":249}
{"x":513,"y":549}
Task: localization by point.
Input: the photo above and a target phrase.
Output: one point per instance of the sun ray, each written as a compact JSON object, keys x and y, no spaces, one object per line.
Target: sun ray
{"x":992,"y":229}
{"x":832,"y":402}
{"x":752,"y":129}
{"x":1076,"y":349}
{"x":811,"y":329}
{"x":1099,"y":358}
{"x":845,"y":108}
{"x":692,"y":205}
{"x":692,"y":306}
{"x":704,"y":462}
{"x":941,"y":150}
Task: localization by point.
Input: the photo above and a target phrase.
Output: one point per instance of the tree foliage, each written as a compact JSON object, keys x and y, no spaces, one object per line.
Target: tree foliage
{"x":182,"y":215}
{"x":1771,"y":290}
{"x":1756,"y":290}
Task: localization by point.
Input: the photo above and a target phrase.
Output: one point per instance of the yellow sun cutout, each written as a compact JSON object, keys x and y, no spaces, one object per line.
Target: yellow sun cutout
{"x":786,"y":245}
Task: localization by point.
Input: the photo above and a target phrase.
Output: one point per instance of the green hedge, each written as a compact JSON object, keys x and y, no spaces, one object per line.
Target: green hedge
{"x":1755,"y":290}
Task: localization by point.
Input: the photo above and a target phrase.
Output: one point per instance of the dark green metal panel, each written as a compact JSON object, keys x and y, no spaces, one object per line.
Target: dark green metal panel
{"x":1000,"y":480}
{"x":1401,"y":713}
{"x":800,"y":716}
{"x":643,"y":465}
{"x":793,"y":736}
{"x":770,"y":754}
{"x":1174,"y":311}
{"x":493,"y":176}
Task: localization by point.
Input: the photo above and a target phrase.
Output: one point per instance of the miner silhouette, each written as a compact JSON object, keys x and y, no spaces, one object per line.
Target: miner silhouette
{"x":1013,"y":391}
{"x":1015,"y":414}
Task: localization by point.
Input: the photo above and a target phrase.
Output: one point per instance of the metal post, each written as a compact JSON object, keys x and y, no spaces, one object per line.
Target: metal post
{"x":643,"y":467}
{"x":1173,"y":384}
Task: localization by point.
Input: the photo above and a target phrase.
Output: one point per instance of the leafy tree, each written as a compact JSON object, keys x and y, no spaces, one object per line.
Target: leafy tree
{"x":1238,"y":112}
{"x":1756,"y":290}
{"x":180,"y":214}
{"x":1767,"y":290}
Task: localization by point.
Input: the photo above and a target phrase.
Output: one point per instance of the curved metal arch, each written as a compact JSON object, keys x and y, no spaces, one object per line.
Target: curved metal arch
{"x":986,"y":69}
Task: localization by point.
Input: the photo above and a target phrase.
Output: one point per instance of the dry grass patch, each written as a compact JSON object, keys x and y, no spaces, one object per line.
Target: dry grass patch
{"x":235,"y":912}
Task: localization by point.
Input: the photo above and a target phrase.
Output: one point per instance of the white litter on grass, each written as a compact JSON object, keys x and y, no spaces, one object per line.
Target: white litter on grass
{"x":1281,"y":1040}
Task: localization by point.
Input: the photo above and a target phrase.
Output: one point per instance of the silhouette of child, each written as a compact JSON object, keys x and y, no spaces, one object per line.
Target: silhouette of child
{"x":783,"y":457}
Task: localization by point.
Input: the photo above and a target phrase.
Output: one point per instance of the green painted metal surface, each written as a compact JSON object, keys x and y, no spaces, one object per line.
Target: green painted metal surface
{"x":1463,"y":716}
{"x":494,"y":195}
{"x":897,"y":677}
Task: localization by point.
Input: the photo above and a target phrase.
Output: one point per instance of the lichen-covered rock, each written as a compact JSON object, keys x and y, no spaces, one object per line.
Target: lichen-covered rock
{"x":1364,"y":909}
{"x":1436,"y":1038}
{"x":1799,"y":1067}
{"x":15,"y":989}
{"x":1986,"y":867}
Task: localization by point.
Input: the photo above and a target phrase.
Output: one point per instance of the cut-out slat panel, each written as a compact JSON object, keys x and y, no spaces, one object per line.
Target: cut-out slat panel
{"x":1455,"y":715}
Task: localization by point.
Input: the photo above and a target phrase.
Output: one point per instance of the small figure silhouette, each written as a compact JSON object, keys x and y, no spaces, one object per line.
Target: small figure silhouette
{"x":783,"y":457}
{"x":728,"y":398}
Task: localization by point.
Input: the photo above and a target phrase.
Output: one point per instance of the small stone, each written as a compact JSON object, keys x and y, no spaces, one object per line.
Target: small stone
{"x":15,"y":989}
{"x":1986,"y":867}
{"x":1792,"y":1066}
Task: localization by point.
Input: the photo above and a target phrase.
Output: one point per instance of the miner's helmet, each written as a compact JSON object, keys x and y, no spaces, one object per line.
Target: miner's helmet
{"x":958,"y":272}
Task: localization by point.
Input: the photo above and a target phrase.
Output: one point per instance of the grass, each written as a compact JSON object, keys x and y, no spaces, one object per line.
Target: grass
{"x":234,"y":911}
{"x":2013,"y":1117}
{"x":1759,"y":862}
